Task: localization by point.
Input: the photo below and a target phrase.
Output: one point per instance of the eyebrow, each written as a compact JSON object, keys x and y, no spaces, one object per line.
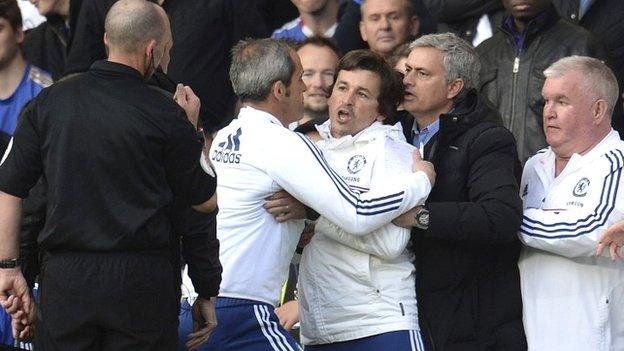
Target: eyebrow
{"x":557,"y":97}
{"x":358,"y":88}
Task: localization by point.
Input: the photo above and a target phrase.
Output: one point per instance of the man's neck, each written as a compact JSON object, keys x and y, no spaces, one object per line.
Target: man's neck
{"x":561,"y":159}
{"x":11,"y":76}
{"x":321,"y":22}
{"x":425,"y":119}
{"x":269,"y":108}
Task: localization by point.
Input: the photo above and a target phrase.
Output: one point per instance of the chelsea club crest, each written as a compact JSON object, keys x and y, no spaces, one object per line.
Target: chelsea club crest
{"x":580,"y":189}
{"x":356,"y":164}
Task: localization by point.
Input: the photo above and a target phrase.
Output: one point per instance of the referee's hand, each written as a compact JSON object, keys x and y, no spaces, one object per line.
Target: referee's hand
{"x":12,"y":282}
{"x":186,"y":98}
{"x":204,"y":322}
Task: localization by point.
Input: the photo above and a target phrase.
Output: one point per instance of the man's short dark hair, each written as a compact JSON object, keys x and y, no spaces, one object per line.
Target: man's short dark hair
{"x":321,"y":42}
{"x":10,"y":11}
{"x":401,"y":51}
{"x":391,"y":89}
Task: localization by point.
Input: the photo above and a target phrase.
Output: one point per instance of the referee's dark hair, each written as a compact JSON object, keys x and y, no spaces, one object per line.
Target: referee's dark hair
{"x":10,"y":11}
{"x":391,"y":90}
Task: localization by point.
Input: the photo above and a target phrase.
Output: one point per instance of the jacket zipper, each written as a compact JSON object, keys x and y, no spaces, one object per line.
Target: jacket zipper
{"x":516,"y":69}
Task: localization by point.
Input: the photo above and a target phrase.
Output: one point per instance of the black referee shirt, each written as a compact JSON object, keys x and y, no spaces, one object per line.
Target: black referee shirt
{"x":114,"y":152}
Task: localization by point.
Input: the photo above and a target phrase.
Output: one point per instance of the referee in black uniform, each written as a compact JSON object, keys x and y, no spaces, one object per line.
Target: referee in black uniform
{"x":114,"y":153}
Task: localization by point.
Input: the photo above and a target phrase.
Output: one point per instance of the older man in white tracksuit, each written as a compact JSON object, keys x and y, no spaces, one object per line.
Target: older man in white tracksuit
{"x":572,"y":191}
{"x":357,"y":290}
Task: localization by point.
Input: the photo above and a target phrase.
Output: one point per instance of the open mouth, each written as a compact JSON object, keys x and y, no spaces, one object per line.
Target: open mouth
{"x":344,"y":115}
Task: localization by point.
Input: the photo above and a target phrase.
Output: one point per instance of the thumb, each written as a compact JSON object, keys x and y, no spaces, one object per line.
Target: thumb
{"x":178,"y":91}
{"x":416,"y":155}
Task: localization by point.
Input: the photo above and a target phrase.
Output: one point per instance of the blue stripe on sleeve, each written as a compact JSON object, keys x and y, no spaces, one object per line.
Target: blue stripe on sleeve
{"x":346,"y":192}
{"x":586,"y":225}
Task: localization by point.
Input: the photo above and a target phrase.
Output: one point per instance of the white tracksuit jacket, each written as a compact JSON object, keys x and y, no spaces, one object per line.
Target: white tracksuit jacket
{"x":572,"y":299}
{"x":254,"y":156}
{"x":353,"y":286}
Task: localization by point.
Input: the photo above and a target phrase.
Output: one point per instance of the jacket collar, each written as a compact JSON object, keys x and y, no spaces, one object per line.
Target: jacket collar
{"x":547,"y":159}
{"x":467,"y":112}
{"x":115,"y":69}
{"x":375,"y":131}
{"x":253,"y":114}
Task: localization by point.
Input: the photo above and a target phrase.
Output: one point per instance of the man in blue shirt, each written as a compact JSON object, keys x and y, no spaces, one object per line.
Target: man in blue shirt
{"x":19,"y":81}
{"x":316,"y":18}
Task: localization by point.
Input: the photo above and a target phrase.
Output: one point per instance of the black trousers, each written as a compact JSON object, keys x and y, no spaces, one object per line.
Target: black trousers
{"x":107,"y":301}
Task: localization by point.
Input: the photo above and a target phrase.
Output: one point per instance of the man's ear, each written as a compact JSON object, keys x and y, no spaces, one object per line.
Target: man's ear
{"x":278,"y":90}
{"x":599,"y":111}
{"x":150,"y":48}
{"x":19,"y":35}
{"x":454,"y":88}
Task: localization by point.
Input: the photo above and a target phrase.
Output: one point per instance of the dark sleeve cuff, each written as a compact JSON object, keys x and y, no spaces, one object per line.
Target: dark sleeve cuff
{"x":200,"y":249}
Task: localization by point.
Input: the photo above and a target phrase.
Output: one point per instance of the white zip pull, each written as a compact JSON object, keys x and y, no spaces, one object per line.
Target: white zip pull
{"x":516,"y":66}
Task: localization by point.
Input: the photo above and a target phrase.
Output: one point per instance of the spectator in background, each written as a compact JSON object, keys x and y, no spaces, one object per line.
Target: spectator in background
{"x":603,"y":18}
{"x":20,"y":81}
{"x":316,"y":18}
{"x":573,"y":294}
{"x":465,"y":237}
{"x":348,"y":34}
{"x":532,"y":37}
{"x":46,"y":45}
{"x":398,"y":58}
{"x":472,"y":20}
{"x":386,"y":24}
{"x":319,"y":57}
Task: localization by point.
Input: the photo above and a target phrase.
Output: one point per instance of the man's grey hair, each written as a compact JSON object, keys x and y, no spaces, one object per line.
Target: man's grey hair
{"x":257,"y":64}
{"x":130,"y":24}
{"x":598,"y":79}
{"x":460,"y":58}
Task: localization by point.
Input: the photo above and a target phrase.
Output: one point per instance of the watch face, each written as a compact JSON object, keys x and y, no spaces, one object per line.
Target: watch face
{"x":423,"y":218}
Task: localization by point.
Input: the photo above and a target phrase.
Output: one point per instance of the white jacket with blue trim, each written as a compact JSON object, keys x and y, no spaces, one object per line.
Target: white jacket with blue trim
{"x":572,"y":299}
{"x":352,"y":285}
{"x":255,"y":156}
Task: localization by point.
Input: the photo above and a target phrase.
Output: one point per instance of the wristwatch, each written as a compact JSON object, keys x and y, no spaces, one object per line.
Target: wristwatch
{"x":10,"y":263}
{"x":421,"y":219}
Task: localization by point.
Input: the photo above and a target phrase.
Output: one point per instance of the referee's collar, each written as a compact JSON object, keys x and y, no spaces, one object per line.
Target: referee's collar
{"x":114,"y":67}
